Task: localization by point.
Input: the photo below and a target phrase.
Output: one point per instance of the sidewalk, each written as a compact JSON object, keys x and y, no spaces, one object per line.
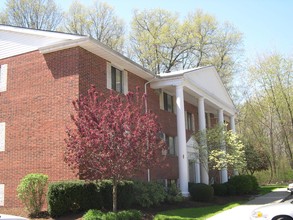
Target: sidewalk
{"x":243,"y":212}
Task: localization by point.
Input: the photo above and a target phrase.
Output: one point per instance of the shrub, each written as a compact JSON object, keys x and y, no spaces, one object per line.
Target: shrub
{"x":94,"y":214}
{"x":72,"y":196}
{"x":125,"y":196}
{"x":201,"y":192}
{"x":255,"y":185}
{"x":31,"y":192}
{"x":149,"y":194}
{"x":231,"y":189}
{"x":242,"y":183}
{"x":220,"y":189}
{"x":173,"y":194}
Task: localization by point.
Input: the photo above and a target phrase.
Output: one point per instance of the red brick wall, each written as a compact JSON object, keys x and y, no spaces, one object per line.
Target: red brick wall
{"x":36,"y":110}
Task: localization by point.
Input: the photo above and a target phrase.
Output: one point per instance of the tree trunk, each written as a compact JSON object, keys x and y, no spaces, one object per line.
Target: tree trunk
{"x":114,"y":190}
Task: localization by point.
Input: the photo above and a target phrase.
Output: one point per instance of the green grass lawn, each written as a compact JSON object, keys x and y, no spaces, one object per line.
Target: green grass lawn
{"x":269,"y":188}
{"x":202,"y":213}
{"x":199,"y":213}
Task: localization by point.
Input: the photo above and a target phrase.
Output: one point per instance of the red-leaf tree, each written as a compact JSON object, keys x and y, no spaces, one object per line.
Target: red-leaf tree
{"x":113,"y":137}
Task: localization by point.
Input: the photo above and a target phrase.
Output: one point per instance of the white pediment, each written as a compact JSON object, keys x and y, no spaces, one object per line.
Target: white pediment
{"x":208,"y":80}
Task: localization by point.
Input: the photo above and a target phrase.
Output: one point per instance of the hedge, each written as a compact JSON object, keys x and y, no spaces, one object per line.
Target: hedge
{"x":94,"y":214}
{"x":201,"y":192}
{"x":74,"y":196}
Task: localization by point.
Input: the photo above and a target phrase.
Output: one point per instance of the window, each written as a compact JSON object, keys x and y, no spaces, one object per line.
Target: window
{"x":117,"y":79}
{"x":168,"y":102}
{"x":2,"y":136}
{"x":170,"y":182}
{"x":170,"y":141}
{"x":1,"y":194}
{"x":3,"y":78}
{"x":189,"y":121}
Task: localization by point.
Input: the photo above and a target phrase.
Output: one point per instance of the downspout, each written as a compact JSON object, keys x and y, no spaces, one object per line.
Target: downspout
{"x":146,"y":110}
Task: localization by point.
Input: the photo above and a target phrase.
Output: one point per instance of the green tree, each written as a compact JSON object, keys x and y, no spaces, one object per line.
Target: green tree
{"x":265,"y":117}
{"x":160,"y":42}
{"x":37,"y":14}
{"x":234,"y":155}
{"x":256,"y":159}
{"x":98,"y":21}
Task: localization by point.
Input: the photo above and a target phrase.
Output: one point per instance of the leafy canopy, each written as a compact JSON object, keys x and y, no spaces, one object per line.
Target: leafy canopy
{"x":113,"y":137}
{"x":217,"y":139}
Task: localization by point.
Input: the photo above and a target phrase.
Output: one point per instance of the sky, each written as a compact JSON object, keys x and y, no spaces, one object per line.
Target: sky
{"x":266,"y":24}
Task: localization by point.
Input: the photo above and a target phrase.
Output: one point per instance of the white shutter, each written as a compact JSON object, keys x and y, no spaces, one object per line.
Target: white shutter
{"x":3,"y":78}
{"x":109,"y":78}
{"x":1,"y":194}
{"x":2,"y":136}
{"x":125,"y":81}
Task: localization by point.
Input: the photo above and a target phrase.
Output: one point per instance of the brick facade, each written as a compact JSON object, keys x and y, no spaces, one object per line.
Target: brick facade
{"x":36,"y":109}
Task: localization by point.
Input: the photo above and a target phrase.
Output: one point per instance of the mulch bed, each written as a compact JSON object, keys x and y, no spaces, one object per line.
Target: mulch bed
{"x":149,"y":213}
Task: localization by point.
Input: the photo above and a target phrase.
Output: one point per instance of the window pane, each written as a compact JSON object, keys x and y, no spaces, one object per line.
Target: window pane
{"x":171,"y":144}
{"x":165,"y":102}
{"x":189,"y":121}
{"x":116,"y":78}
{"x":168,"y":102}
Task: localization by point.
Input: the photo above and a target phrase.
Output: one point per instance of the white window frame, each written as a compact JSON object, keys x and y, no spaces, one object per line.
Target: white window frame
{"x":2,"y":136}
{"x":124,"y":77}
{"x":162,"y":101}
{"x":187,"y":122}
{"x":2,"y":195}
{"x":3,"y":77}
{"x":175,"y":147}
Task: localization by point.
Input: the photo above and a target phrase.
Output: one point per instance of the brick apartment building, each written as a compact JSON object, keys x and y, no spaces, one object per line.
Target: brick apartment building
{"x":41,"y":72}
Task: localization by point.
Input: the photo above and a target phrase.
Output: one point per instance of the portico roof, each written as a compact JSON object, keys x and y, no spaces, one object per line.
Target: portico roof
{"x":199,"y":82}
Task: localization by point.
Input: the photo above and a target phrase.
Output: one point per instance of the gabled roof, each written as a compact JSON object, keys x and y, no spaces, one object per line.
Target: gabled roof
{"x":200,"y":82}
{"x":16,"y":40}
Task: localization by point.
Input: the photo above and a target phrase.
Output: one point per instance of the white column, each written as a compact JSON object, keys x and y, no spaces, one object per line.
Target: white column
{"x":204,"y":157}
{"x":233,"y":128}
{"x":232,"y":123}
{"x":182,"y":150}
{"x":224,"y":173}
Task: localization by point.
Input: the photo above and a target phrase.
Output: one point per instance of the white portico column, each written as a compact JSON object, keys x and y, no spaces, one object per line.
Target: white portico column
{"x":233,"y":128}
{"x":232,"y":123}
{"x":204,"y":152}
{"x":182,"y":150}
{"x":224,"y":173}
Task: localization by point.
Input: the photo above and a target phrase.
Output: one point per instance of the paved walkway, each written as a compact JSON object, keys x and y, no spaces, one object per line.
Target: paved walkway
{"x":243,"y":212}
